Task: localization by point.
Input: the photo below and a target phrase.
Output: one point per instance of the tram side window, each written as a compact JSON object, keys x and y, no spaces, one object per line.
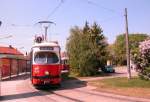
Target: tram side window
{"x":52,"y":58}
{"x":40,"y":58}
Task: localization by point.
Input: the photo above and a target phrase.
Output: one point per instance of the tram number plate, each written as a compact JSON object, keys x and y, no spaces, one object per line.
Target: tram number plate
{"x":46,"y":81}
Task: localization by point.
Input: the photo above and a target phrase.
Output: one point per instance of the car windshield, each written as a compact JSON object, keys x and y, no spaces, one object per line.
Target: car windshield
{"x":46,"y":58}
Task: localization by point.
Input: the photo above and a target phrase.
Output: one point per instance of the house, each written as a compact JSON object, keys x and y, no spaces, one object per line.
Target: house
{"x":12,"y":61}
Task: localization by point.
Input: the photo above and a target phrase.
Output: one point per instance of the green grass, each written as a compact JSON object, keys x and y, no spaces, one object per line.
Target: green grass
{"x":68,"y":76}
{"x":124,"y":82}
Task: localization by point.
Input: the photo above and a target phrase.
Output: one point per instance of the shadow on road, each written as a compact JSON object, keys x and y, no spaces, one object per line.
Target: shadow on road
{"x":65,"y":84}
{"x":71,"y":84}
{"x":22,"y":95}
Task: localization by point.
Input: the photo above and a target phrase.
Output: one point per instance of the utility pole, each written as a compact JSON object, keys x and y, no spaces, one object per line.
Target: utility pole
{"x":127,"y":45}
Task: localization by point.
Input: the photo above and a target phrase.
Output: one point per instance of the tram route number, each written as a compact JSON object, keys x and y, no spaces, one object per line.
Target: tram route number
{"x":46,"y":48}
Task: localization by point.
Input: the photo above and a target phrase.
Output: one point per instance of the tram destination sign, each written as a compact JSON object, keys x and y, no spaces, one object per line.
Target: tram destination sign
{"x":46,"y":48}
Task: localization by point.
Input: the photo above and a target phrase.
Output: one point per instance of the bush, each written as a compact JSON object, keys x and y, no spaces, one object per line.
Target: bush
{"x":144,"y":60}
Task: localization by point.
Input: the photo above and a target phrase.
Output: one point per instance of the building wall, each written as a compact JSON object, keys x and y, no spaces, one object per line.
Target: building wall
{"x":5,"y":67}
{"x":13,"y":66}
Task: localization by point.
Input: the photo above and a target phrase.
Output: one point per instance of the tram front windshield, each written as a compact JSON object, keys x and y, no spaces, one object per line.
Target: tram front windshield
{"x":46,"y":58}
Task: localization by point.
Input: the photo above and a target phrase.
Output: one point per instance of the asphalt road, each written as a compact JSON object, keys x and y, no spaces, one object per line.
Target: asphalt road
{"x":21,"y":90}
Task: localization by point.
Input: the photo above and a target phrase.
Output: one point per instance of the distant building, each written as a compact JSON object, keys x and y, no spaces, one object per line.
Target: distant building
{"x":10,"y":52}
{"x":12,"y":61}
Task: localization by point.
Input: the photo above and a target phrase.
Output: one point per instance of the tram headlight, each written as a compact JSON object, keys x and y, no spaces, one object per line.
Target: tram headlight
{"x":46,"y":73}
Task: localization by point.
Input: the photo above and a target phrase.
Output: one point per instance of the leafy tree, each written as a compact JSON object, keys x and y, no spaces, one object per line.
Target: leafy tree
{"x":87,"y":49}
{"x":144,"y":59}
{"x":120,"y":48}
{"x":111,"y":53}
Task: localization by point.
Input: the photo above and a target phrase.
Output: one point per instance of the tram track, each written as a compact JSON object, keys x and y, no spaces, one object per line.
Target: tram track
{"x":21,"y":90}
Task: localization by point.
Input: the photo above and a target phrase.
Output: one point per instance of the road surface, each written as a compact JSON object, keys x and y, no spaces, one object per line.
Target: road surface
{"x":21,"y":90}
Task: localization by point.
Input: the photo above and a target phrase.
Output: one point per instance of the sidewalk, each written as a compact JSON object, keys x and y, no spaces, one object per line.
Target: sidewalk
{"x":10,"y":89}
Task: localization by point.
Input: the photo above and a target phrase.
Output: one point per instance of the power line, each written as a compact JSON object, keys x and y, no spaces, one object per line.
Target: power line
{"x":98,"y":5}
{"x":56,"y":8}
{"x":16,"y":25}
{"x":109,"y":19}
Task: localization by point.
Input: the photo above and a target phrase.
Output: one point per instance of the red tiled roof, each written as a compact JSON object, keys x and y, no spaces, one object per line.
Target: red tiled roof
{"x":9,"y":50}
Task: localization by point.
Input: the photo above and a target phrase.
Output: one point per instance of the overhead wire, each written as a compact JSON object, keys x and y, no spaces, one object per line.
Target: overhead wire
{"x":55,"y":9}
{"x":60,"y":4}
{"x":105,"y":8}
{"x":16,"y":25}
{"x":50,"y":14}
{"x":98,"y":5}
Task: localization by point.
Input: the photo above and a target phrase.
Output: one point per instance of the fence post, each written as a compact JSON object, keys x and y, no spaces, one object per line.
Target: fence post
{"x":26,"y":66}
{"x":10,"y":61}
{"x":17,"y":67}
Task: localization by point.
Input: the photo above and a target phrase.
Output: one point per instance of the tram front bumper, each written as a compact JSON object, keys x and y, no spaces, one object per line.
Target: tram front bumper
{"x":43,"y":80}
{"x":46,"y":77}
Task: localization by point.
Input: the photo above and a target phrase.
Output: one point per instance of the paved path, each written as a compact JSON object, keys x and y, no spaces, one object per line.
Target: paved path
{"x":21,"y":90}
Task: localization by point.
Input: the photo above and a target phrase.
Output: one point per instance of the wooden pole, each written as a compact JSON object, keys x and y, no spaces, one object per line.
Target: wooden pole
{"x":127,"y":45}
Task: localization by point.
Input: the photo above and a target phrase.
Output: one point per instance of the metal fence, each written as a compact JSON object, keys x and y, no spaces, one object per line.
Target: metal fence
{"x":14,"y":67}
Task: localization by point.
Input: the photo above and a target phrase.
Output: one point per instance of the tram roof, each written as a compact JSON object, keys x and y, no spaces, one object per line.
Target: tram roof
{"x":46,"y":44}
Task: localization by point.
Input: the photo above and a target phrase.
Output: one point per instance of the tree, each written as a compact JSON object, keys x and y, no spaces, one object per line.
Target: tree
{"x":120,"y":48}
{"x":86,"y":48}
{"x":111,"y":53}
{"x":144,"y":59}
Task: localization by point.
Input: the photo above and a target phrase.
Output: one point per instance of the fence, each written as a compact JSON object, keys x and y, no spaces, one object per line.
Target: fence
{"x":14,"y":67}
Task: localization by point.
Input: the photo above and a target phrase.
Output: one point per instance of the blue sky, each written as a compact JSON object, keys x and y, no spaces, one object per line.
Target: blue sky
{"x":19,"y":18}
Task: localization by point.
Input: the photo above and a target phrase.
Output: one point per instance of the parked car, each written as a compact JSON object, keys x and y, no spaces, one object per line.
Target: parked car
{"x":108,"y":69}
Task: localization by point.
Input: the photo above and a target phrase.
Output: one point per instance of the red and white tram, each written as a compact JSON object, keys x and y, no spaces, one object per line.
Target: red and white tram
{"x":46,"y":64}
